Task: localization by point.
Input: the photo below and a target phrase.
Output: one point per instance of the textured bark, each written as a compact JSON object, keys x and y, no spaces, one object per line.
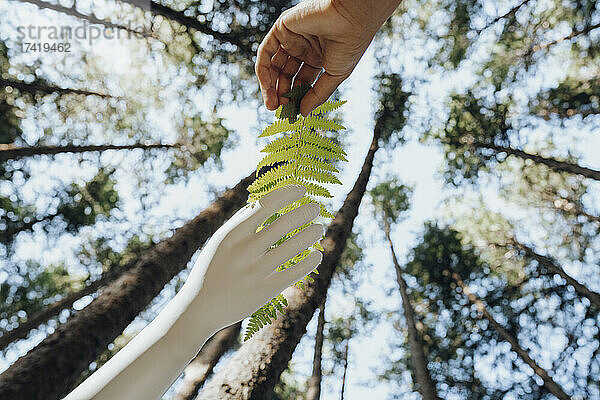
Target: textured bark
{"x":422,"y":376}
{"x":10,"y":152}
{"x":256,"y":367}
{"x":313,"y":392}
{"x":556,"y":165}
{"x":196,"y":373}
{"x":549,"y":383}
{"x":50,"y":370}
{"x":345,"y":369}
{"x":41,"y":317}
{"x":554,"y":268}
{"x":43,"y":87}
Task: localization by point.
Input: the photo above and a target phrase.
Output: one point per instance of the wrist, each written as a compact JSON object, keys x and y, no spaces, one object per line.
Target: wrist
{"x":368,"y":15}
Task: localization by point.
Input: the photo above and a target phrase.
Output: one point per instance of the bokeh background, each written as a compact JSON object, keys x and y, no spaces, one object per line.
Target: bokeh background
{"x":497,"y":135}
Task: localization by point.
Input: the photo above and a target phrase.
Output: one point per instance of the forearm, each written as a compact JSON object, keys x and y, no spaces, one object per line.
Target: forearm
{"x":369,"y":14}
{"x":148,"y":365}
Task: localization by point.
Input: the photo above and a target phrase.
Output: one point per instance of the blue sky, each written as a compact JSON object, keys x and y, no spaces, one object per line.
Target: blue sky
{"x":415,"y":163}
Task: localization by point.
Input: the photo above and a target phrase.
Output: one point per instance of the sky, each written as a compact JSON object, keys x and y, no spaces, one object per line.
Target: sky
{"x":415,"y":163}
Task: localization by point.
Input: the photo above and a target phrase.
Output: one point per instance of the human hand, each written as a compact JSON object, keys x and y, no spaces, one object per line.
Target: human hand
{"x":316,"y":34}
{"x":236,"y":272}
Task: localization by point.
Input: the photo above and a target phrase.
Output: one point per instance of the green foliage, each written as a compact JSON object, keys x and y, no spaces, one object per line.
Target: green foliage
{"x":392,"y":111}
{"x":199,"y":141}
{"x":304,"y":157}
{"x":81,"y":205}
{"x":470,"y":127}
{"x":391,"y":199}
{"x":29,"y":289}
{"x":571,"y":97}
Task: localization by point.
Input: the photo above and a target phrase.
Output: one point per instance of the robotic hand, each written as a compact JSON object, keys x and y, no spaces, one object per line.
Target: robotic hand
{"x":234,"y":275}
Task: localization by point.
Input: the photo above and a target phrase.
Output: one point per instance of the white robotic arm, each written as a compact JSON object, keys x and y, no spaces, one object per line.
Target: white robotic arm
{"x":234,"y":275}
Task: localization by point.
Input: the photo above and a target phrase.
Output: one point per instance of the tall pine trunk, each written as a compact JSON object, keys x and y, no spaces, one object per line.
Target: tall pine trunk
{"x":554,"y":268}
{"x":10,"y":152}
{"x":422,"y":376}
{"x":43,"y":87}
{"x":549,"y":383}
{"x":55,"y":308}
{"x":256,"y":367}
{"x":313,"y":392}
{"x":51,"y":369}
{"x":555,"y":165}
{"x":345,"y":368}
{"x":196,"y":373}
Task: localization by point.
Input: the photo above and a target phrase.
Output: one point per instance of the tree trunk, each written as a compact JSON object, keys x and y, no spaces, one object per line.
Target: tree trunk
{"x":51,"y":369}
{"x":556,"y":165}
{"x":10,"y":152}
{"x":42,"y":316}
{"x":554,"y":268}
{"x":196,"y":373}
{"x":313,"y":391}
{"x":44,"y":87}
{"x":422,"y":376}
{"x":345,"y":369}
{"x":255,"y":369}
{"x":549,"y":383}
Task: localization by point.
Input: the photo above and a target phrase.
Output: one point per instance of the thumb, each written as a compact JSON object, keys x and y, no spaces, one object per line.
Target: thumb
{"x":320,"y":92}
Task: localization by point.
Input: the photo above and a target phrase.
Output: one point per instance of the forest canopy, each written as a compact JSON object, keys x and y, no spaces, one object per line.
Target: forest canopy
{"x":461,"y":257}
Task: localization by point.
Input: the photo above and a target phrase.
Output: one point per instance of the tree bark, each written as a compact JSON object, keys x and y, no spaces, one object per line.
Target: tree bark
{"x":422,"y":376}
{"x":313,"y":391}
{"x":41,"y":317}
{"x":255,"y":369}
{"x":10,"y":152}
{"x":556,"y":165}
{"x":549,"y":383}
{"x":196,"y":373}
{"x":554,"y":268}
{"x":345,"y":369}
{"x":50,"y":370}
{"x":44,"y":87}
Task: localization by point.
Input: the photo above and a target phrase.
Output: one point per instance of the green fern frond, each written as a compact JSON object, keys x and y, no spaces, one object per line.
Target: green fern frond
{"x":306,"y":158}
{"x":321,"y":123}
{"x":282,"y":125}
{"x":328,"y":106}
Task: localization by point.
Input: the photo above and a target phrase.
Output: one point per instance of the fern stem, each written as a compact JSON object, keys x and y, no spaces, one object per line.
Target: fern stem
{"x":297,"y":155}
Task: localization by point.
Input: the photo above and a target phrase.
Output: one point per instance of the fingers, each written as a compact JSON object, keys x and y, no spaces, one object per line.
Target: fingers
{"x":290,"y":248}
{"x":284,"y":81}
{"x":307,"y":74}
{"x":287,"y":223}
{"x":323,"y":88}
{"x":267,"y":206}
{"x":265,"y":71}
{"x":282,"y":279}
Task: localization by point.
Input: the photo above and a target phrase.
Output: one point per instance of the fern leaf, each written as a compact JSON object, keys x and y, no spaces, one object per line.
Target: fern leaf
{"x":279,"y":126}
{"x":327,"y":107}
{"x":321,"y":123}
{"x":306,"y":156}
